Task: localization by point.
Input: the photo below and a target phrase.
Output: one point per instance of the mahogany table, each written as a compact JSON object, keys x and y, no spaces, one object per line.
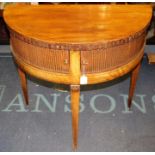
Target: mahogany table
{"x":77,"y":44}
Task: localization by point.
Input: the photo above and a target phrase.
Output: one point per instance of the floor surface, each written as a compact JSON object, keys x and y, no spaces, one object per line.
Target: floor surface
{"x":105,"y":124}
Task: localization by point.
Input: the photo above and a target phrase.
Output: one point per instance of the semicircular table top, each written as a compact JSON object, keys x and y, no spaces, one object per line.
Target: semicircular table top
{"x":79,"y":24}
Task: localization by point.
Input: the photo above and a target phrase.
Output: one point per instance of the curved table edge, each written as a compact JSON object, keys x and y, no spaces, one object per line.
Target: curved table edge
{"x":68,"y":78}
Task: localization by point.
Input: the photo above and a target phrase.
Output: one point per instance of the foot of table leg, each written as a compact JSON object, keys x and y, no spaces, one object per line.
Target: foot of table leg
{"x":75,"y":95}
{"x":133,"y":80}
{"x":23,"y":82}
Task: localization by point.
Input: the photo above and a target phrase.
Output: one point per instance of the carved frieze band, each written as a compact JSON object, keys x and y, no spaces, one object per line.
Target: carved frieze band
{"x":77,"y":47}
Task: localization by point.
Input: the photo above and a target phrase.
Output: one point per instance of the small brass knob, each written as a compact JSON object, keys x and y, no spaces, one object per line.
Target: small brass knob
{"x":84,"y":62}
{"x":65,"y":61}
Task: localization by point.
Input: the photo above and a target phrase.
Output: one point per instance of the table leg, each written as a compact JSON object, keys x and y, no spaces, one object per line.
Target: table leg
{"x":75,"y":95}
{"x":133,"y":80}
{"x":23,"y":82}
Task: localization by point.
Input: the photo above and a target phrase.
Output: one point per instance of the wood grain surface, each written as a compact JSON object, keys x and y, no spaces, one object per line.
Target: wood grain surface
{"x":79,"y":23}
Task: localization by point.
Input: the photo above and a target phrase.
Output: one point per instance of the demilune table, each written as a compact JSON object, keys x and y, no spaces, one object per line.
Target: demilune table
{"x":77,"y":45}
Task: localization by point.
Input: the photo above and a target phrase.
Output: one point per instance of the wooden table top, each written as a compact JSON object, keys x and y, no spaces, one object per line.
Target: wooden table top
{"x":77,"y":23}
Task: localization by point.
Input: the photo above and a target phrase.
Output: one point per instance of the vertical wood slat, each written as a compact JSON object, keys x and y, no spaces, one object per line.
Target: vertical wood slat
{"x":52,"y":60}
{"x":102,"y":60}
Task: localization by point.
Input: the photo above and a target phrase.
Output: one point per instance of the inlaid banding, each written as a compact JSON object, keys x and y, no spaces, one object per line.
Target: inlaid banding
{"x":100,"y":58}
{"x":76,"y":46}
